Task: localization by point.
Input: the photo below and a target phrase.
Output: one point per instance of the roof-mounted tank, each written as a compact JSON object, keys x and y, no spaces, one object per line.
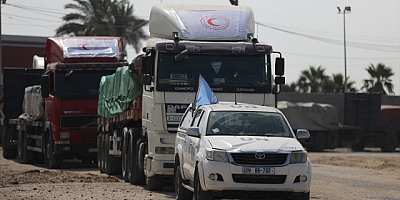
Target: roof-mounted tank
{"x":201,"y":22}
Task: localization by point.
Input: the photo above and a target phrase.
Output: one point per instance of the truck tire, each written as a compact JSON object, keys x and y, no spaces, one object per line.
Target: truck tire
{"x":8,"y":151}
{"x":135,"y":175}
{"x":318,"y":141}
{"x":181,"y":193}
{"x":332,"y":139}
{"x":125,"y":159}
{"x":28,"y":156}
{"x":199,"y":193}
{"x":389,"y":142}
{"x":55,"y":160}
{"x":99,"y":152}
{"x":155,"y":183}
{"x":112,"y":165}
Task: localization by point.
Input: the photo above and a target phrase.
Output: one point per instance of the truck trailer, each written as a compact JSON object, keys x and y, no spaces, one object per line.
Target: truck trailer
{"x":50,"y":113}
{"x":138,"y":126}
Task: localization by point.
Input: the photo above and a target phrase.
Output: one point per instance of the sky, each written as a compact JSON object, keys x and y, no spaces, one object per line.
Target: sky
{"x":306,"y":32}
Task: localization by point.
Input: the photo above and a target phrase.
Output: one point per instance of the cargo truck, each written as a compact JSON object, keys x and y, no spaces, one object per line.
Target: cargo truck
{"x":140,"y":106}
{"x":366,"y":123}
{"x":50,"y":113}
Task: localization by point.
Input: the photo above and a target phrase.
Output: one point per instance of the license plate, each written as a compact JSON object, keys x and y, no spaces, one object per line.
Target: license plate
{"x":174,"y":118}
{"x":258,"y":170}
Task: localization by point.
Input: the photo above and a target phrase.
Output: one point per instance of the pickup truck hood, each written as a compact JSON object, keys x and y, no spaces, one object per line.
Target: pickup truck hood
{"x":254,"y":143}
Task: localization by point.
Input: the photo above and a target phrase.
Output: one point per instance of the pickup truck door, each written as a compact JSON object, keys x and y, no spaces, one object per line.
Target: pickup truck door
{"x":193,"y":146}
{"x":181,"y":138}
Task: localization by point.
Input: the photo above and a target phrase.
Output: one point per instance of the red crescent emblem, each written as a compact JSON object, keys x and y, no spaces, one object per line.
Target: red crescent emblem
{"x":83,"y":46}
{"x":222,"y":22}
{"x":210,"y":22}
{"x":87,"y":47}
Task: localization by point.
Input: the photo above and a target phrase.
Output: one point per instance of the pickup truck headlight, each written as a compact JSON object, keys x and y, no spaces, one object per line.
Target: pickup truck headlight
{"x":298,"y":157}
{"x":216,"y":155}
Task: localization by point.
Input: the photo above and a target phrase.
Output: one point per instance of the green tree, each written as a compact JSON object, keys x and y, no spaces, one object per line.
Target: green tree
{"x":104,"y":18}
{"x":379,"y":79}
{"x":289,"y":87}
{"x":336,"y":84}
{"x":311,"y":80}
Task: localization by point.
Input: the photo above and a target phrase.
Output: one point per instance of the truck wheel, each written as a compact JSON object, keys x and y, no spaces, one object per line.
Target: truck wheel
{"x":112,"y":165}
{"x":28,"y":156}
{"x":125,"y":160}
{"x":135,"y":175}
{"x":99,"y":152}
{"x":389,"y":142}
{"x":181,"y":193}
{"x":304,"y":196}
{"x":358,"y":145}
{"x":102,"y":153}
{"x":199,"y":193}
{"x":318,"y":141}
{"x":8,"y":151}
{"x":55,"y":160}
{"x":155,"y":183}
{"x":332,"y":139}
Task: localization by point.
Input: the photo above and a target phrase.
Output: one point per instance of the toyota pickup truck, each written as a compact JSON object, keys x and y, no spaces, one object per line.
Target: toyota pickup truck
{"x":236,"y":150}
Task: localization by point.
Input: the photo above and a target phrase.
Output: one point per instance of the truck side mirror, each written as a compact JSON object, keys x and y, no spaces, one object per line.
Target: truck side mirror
{"x":279,"y":66}
{"x":302,"y":134}
{"x":145,"y":63}
{"x":193,"y":131}
{"x":45,"y":86}
{"x":279,"y":80}
{"x":146,"y":79}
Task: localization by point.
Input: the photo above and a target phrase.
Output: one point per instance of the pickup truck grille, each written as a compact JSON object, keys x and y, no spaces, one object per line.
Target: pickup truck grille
{"x":260,"y":179}
{"x":250,"y":159}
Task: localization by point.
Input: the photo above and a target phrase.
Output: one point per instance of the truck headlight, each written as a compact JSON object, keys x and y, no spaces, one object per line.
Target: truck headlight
{"x":165,"y":150}
{"x":298,"y":157}
{"x":64,"y":135}
{"x":216,"y":155}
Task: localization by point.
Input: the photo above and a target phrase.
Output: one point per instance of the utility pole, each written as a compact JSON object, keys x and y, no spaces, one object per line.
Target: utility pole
{"x":348,"y":9}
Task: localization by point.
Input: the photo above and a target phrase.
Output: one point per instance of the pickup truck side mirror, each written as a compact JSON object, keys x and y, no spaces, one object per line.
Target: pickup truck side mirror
{"x":302,"y":134}
{"x":45,"y":86}
{"x":193,"y":131}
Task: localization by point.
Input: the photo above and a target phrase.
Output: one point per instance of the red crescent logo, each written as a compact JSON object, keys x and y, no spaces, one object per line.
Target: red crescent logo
{"x":87,"y":47}
{"x":210,"y":22}
{"x":215,"y":22}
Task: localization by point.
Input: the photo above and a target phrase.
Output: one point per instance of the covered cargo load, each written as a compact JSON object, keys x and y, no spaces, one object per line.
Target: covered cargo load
{"x":390,"y":117}
{"x":201,"y":22}
{"x":32,"y":104}
{"x":119,"y":91}
{"x":310,"y":115}
{"x":84,"y":49}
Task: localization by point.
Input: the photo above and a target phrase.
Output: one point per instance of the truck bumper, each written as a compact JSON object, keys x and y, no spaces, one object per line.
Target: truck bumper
{"x":290,"y":183}
{"x":76,"y":149}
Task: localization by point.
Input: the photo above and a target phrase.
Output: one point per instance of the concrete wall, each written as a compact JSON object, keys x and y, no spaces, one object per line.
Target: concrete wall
{"x":336,"y":100}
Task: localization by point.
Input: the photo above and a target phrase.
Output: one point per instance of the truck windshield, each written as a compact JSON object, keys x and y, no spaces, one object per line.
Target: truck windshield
{"x":225,"y":72}
{"x":248,"y":123}
{"x":79,"y":84}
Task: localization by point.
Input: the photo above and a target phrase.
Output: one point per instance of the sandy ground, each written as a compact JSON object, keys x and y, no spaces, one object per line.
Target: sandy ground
{"x":336,"y":175}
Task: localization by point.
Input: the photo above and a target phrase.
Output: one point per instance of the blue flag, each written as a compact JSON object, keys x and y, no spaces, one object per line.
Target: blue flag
{"x":204,"y":94}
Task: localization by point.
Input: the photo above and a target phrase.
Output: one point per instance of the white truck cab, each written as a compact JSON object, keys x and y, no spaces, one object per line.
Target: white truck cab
{"x":235,"y":150}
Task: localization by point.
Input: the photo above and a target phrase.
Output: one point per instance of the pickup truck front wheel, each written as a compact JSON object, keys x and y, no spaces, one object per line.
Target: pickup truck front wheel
{"x":199,"y":193}
{"x":181,"y":193}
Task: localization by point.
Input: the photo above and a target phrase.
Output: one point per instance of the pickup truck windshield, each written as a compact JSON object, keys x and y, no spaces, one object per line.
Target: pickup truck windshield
{"x":79,"y":84}
{"x":248,"y":123}
{"x":227,"y":73}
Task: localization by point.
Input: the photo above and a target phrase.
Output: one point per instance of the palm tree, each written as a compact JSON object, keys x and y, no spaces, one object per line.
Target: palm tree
{"x":336,"y":84}
{"x":379,"y":80}
{"x":311,"y":80}
{"x":104,"y":18}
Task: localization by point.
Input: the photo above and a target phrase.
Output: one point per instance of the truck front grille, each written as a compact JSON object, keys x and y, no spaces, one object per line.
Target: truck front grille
{"x":259,"y":179}
{"x":250,"y":159}
{"x":79,"y":121}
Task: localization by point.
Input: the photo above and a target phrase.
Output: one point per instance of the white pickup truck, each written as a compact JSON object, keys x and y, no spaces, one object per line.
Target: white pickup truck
{"x":235,"y":150}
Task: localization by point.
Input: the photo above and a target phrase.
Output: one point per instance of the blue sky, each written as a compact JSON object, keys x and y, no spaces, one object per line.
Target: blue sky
{"x":306,"y":32}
